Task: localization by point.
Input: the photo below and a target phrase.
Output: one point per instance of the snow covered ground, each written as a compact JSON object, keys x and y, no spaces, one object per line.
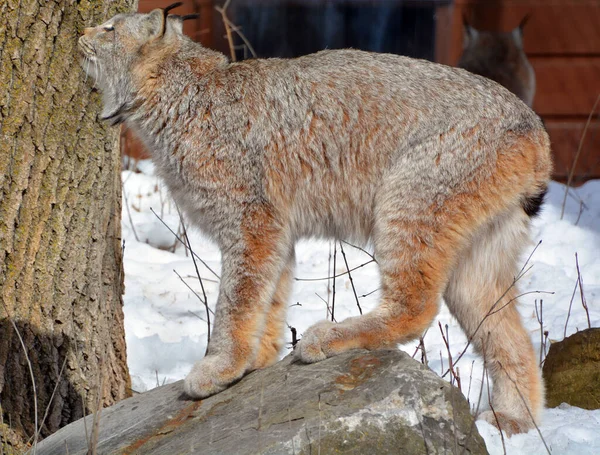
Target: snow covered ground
{"x":165,"y":320}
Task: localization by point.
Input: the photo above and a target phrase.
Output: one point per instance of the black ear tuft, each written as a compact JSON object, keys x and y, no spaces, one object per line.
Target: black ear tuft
{"x":190,"y":16}
{"x":469,"y":30}
{"x":524,"y":21}
{"x":170,"y":7}
{"x":166,"y":13}
{"x":465,"y":20}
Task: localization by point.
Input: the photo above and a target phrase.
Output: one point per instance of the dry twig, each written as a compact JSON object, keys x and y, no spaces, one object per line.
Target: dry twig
{"x":579,"y":148}
{"x":583,"y":301}
{"x":35,"y":400}
{"x":185,"y":244}
{"x":351,"y":280}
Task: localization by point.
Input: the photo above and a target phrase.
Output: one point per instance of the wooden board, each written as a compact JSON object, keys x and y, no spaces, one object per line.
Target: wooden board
{"x":565,"y":137}
{"x":554,"y":28}
{"x":566,"y":86}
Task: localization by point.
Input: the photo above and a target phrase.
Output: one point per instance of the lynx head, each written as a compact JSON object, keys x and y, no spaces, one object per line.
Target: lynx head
{"x":499,"y":56}
{"x":115,"y":48}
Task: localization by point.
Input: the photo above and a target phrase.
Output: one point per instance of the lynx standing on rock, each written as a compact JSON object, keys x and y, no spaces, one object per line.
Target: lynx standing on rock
{"x":439,"y":168}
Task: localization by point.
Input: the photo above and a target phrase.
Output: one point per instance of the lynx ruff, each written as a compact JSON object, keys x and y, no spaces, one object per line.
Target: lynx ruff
{"x":440,"y":169}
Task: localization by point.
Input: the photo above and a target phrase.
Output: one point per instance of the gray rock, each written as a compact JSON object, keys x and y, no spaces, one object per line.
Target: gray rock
{"x":380,"y":402}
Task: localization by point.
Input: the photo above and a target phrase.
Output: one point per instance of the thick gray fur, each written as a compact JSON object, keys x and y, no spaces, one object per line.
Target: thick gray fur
{"x":427,"y":161}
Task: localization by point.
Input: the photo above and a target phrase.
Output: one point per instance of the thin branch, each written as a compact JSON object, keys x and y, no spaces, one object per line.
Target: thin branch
{"x":197,"y":315}
{"x":129,"y":216}
{"x":238,"y":31}
{"x":570,"y":305}
{"x":372,"y":256}
{"x":527,"y":408}
{"x":518,"y":297}
{"x":579,"y":148}
{"x":476,"y":411}
{"x":329,"y":312}
{"x":223,"y":12}
{"x":35,"y":400}
{"x":294,"y":335}
{"x":493,"y":309}
{"x":335,"y":276}
{"x":470,"y":381}
{"x":184,"y":244}
{"x":62,"y":368}
{"x":189,"y":245}
{"x":451,"y":364}
{"x":368,"y":293}
{"x":333,"y":282}
{"x":540,"y":318}
{"x":494,"y":413}
{"x":194,"y":292}
{"x":351,"y":280}
{"x":583,"y":301}
{"x":522,"y":272}
{"x":421,"y":347}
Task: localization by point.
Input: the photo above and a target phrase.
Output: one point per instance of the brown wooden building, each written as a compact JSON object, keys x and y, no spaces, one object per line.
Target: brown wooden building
{"x":562,"y":41}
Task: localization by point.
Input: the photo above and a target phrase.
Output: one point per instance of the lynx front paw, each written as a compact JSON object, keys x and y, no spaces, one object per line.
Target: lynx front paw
{"x":509,"y":424}
{"x":319,"y":342}
{"x":210,"y":375}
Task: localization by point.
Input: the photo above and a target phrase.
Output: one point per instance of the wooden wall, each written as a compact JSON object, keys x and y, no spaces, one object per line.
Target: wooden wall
{"x":562,"y":41}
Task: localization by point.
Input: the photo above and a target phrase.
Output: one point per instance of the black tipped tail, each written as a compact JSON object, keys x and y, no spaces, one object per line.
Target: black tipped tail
{"x":532,"y":204}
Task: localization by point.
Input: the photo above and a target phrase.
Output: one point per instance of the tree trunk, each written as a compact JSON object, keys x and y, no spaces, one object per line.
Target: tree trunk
{"x":61,"y":275}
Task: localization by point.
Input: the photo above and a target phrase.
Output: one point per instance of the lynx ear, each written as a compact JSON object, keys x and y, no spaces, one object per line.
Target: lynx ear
{"x":524,"y":22}
{"x":155,"y":23}
{"x":517,"y":33}
{"x":470,"y":33}
{"x":156,"y":20}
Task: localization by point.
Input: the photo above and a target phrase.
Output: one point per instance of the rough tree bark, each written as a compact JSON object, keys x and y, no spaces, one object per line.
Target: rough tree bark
{"x":61,"y":277}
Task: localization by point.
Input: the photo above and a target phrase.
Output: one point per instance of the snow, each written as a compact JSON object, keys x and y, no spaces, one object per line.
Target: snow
{"x":165,"y":320}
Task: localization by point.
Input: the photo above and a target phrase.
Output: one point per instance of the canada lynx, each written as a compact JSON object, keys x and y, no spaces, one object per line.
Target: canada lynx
{"x":441,"y":169}
{"x":499,"y":56}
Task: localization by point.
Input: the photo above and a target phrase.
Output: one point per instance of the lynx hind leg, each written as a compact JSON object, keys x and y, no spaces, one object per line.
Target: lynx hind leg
{"x":418,"y":236}
{"x":415,"y":249}
{"x":252,"y":265}
{"x":480,"y":284}
{"x":272,"y":339}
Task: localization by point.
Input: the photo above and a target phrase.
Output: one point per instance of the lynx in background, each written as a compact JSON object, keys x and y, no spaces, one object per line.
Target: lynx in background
{"x":440,"y":169}
{"x":499,"y":56}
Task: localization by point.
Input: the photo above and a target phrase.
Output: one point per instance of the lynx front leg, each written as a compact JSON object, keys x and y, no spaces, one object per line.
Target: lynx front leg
{"x":272,"y":339}
{"x":252,"y":265}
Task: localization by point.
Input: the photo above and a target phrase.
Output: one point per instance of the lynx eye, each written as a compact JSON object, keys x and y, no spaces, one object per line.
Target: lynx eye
{"x":108,"y":28}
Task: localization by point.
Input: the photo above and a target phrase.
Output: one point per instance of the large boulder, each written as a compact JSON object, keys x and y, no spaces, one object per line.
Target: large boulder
{"x":572,"y":371}
{"x":380,"y":402}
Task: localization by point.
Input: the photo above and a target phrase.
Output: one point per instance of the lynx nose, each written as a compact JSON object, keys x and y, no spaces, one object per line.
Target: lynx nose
{"x":87,"y":31}
{"x":84,"y":46}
